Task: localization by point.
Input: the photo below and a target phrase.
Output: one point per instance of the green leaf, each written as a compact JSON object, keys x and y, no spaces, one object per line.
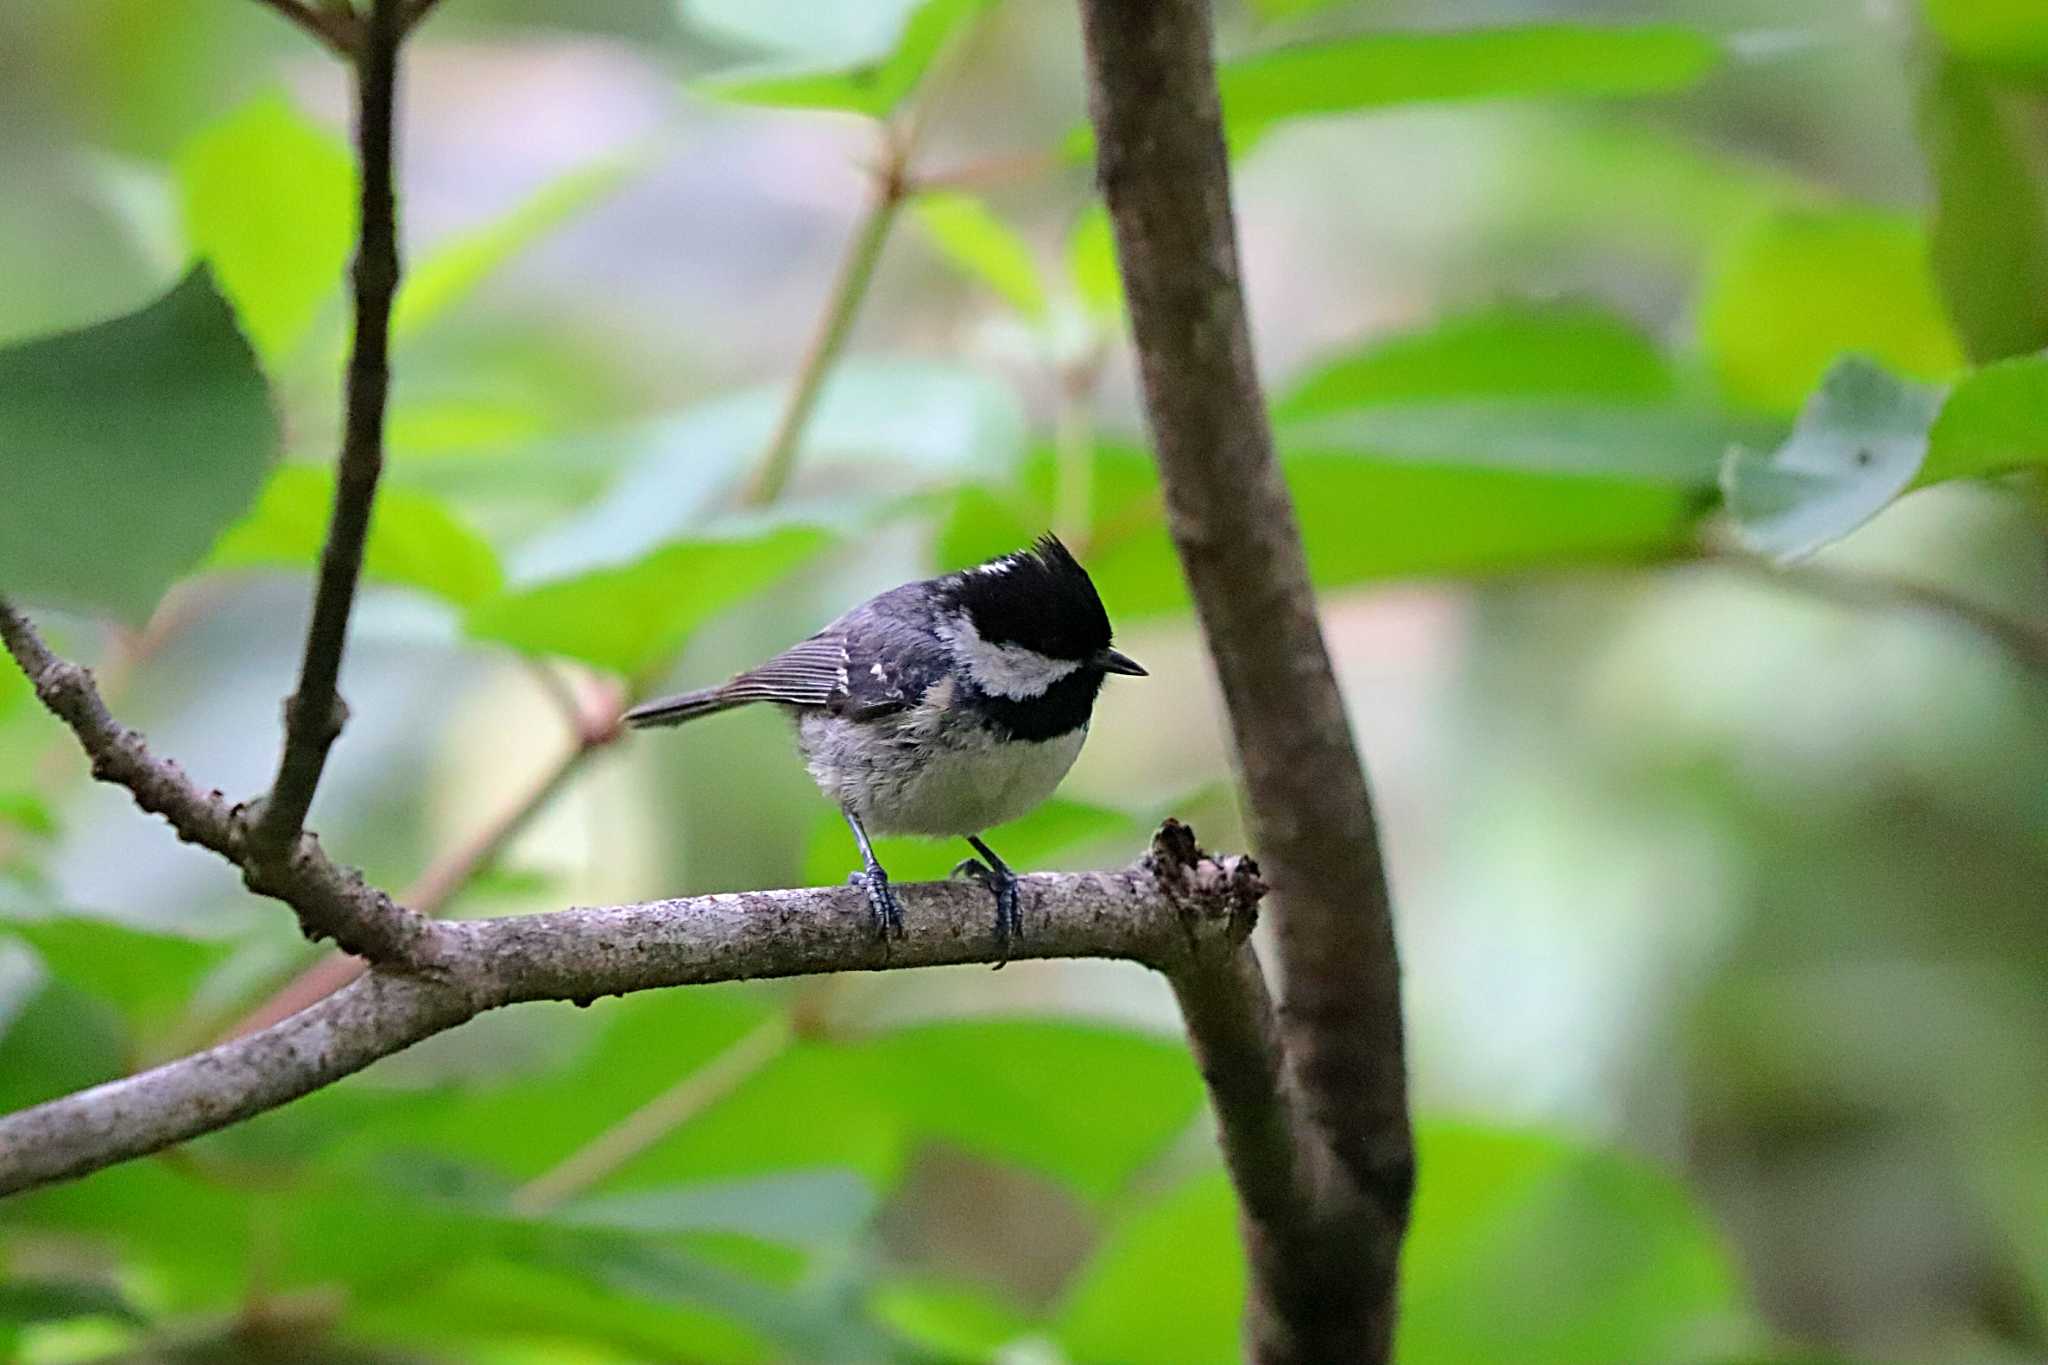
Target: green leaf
{"x":1994,"y":421}
{"x":269,"y":201}
{"x":1166,"y":1287}
{"x":1859,"y":444}
{"x":1034,"y":843}
{"x":788,"y":1206}
{"x":1654,"y":443}
{"x":125,"y":447}
{"x":149,"y":977}
{"x":450,"y":273}
{"x":1802,"y":289}
{"x":1513,"y":351}
{"x":957,"y":1321}
{"x":1091,"y":263}
{"x":29,"y":813}
{"x":1523,"y":1248}
{"x":872,"y":86}
{"x":1381,"y":69}
{"x":415,"y":540}
{"x":2011,"y":35}
{"x":631,"y":618}
{"x":1990,"y":232}
{"x":885,"y":427}
{"x":52,"y":1300}
{"x":1366,"y":520}
{"x":1526,"y":1248}
{"x":982,"y":246}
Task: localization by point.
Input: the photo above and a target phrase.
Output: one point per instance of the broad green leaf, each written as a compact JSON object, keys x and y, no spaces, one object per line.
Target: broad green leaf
{"x":1523,"y":1248}
{"x":415,"y":540}
{"x":40,"y":1299}
{"x":1366,"y":520}
{"x":806,"y":1326}
{"x":1655,"y":443}
{"x":59,"y":1040}
{"x":2007,"y":34}
{"x":803,"y":1206}
{"x":1515,"y":351}
{"x":447,"y":275}
{"x":1527,"y":1248}
{"x":957,"y":1321}
{"x":984,"y":247}
{"x":473,"y":1301}
{"x":632,"y":617}
{"x":1990,"y":232}
{"x":1372,"y":515}
{"x":149,"y":977}
{"x":1993,"y":421}
{"x":28,"y":813}
{"x":125,"y":447}
{"x":1031,"y":844}
{"x":1380,"y":69}
{"x":1802,"y":289}
{"x":1166,"y":1286}
{"x":883,"y":427}
{"x":1859,"y":444}
{"x":1091,"y":263}
{"x":269,"y":202}
{"x":872,"y":86}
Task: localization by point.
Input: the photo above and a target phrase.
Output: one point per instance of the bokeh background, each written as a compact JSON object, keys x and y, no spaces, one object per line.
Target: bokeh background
{"x":1720,"y":889}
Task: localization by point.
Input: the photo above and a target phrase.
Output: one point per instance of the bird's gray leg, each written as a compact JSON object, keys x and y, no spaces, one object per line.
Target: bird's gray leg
{"x":882,"y":902}
{"x":993,"y":873}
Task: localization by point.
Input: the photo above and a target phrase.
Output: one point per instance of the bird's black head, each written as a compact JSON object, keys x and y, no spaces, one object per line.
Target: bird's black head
{"x":1039,"y":599}
{"x":1031,"y":640}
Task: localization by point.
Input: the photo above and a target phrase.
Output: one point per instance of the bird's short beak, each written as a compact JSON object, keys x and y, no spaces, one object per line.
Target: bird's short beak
{"x":1116,"y":661}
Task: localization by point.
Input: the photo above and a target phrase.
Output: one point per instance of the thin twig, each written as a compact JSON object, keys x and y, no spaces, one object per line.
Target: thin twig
{"x":341,"y":32}
{"x":690,"y":1096}
{"x":1205,"y":910}
{"x":417,"y":10}
{"x":314,"y":713}
{"x":849,"y":290}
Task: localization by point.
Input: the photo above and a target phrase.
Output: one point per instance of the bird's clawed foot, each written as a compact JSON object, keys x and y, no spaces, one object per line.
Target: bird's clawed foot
{"x":1002,"y":884}
{"x":886,"y":911}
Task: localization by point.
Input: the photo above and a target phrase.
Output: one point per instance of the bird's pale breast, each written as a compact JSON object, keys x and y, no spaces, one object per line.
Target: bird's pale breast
{"x":910,"y":775}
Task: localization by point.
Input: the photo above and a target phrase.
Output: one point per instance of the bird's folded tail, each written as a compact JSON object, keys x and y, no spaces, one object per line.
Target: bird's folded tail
{"x":686,"y":706}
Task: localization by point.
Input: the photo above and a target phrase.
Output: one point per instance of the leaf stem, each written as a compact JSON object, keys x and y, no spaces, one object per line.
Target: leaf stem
{"x":849,"y":290}
{"x":690,"y":1096}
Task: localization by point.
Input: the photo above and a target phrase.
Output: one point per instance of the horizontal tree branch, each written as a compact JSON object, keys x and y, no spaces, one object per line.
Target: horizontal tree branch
{"x":331,"y":900}
{"x":1177,"y":911}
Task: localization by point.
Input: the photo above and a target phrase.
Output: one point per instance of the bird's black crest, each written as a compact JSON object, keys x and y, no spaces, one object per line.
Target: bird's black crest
{"x":1040,"y":598}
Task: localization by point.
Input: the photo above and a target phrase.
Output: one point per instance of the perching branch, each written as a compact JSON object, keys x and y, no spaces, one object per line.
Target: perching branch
{"x":1324,"y":1228}
{"x":1167,"y":912}
{"x":314,"y":712}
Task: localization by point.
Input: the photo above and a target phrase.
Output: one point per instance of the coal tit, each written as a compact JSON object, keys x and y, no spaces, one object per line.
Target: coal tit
{"x":942,"y":707}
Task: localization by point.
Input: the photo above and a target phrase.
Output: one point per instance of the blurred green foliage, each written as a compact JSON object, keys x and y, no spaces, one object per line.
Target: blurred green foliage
{"x":1722,"y":916}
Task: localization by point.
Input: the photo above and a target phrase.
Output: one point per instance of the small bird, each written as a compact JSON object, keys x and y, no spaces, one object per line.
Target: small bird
{"x":942,"y":707}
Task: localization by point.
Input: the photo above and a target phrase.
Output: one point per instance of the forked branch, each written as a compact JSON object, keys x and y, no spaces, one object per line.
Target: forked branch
{"x":314,"y":713}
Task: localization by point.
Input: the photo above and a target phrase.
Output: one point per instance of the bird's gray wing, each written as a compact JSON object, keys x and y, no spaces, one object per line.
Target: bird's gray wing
{"x":831,"y":670}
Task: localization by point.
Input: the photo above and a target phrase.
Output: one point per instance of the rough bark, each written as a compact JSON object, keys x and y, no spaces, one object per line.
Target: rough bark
{"x":1324,"y":1239}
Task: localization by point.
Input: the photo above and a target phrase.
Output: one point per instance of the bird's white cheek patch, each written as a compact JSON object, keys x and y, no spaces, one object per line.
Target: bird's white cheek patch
{"x":1004,"y":670}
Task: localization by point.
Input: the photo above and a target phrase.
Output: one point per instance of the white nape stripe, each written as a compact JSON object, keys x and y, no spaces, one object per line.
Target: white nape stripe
{"x":1001,"y":670}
